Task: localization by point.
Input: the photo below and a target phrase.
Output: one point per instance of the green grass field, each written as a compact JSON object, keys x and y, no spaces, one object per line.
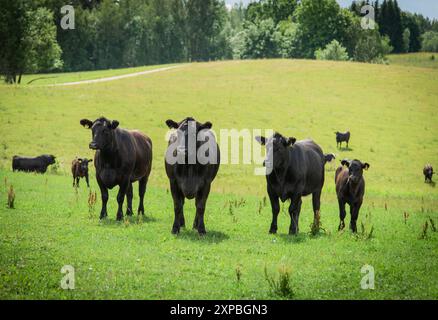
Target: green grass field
{"x":420,"y":59}
{"x":391,"y":112}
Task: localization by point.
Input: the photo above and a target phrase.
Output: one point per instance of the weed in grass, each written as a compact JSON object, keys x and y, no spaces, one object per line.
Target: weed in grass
{"x":424,"y":229}
{"x":405,"y":217}
{"x":6,"y":184}
{"x":11,"y":197}
{"x":238,"y":273}
{"x":316,"y":225}
{"x":432,"y":224}
{"x":282,"y":285}
{"x":92,"y":199}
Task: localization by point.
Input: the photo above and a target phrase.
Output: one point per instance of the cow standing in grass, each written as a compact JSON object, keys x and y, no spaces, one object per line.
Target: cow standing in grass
{"x":350,"y":188}
{"x":428,"y":173}
{"x":342,"y":137}
{"x":294,"y":170}
{"x":192,"y":162}
{"x":122,"y":157}
{"x":37,"y":164}
{"x":79,"y":169}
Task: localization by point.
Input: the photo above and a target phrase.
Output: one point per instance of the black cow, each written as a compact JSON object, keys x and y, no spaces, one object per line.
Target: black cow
{"x":122,"y":157}
{"x":342,"y":137}
{"x":79,"y":169}
{"x":329,"y":157}
{"x":350,"y":188}
{"x":294,"y":169}
{"x":428,"y":173}
{"x":189,"y":169}
{"x":37,"y":164}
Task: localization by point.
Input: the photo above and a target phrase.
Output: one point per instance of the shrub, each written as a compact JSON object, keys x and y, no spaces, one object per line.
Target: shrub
{"x":333,"y":51}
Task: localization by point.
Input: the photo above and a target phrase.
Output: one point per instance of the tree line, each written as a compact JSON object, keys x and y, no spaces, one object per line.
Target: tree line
{"x":127,"y":33}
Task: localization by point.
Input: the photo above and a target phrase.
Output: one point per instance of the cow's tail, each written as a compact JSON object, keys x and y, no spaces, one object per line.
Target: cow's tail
{"x":329,"y":157}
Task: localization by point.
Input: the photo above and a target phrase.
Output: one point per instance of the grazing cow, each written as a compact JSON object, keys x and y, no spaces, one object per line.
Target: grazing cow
{"x":37,"y":164}
{"x":350,"y":188}
{"x":294,"y":169}
{"x":428,"y":173}
{"x":79,"y":169}
{"x":192,"y":162}
{"x":342,"y":137}
{"x":122,"y":157}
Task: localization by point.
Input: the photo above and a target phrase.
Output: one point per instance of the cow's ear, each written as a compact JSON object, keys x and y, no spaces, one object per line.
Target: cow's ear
{"x":366,"y":166}
{"x":80,"y":159}
{"x":90,"y":160}
{"x":261,"y":140}
{"x":290,"y":141}
{"x":86,"y":123}
{"x":206,"y":125}
{"x":172,"y":124}
{"x":114,"y":124}
{"x":345,"y":163}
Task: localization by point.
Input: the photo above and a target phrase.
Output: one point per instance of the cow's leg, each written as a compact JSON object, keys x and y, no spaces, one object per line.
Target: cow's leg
{"x":347,"y":144}
{"x":178,"y":204}
{"x":121,"y":197}
{"x":354,"y":210}
{"x":129,"y":200}
{"x":104,"y":194}
{"x":342,"y":214}
{"x":141,"y":191}
{"x":201,"y":199}
{"x":77,"y":181}
{"x":294,"y":212}
{"x":316,"y":203}
{"x":275,"y":206}
{"x":88,"y":180}
{"x":74,"y":179}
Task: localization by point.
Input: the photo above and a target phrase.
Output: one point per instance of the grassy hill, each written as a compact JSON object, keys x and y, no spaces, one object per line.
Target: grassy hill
{"x":391,"y":112}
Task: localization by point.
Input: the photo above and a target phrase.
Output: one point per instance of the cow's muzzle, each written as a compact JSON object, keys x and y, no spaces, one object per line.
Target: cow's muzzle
{"x":93,"y":145}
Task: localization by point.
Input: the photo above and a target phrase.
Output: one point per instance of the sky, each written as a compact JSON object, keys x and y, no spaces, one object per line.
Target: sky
{"x":428,"y":8}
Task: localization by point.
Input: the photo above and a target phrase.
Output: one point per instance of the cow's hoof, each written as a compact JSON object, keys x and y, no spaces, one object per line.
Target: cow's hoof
{"x":175,"y":231}
{"x":129,"y":212}
{"x":293,"y":232}
{"x":140,"y":211}
{"x":273,"y":230}
{"x":119,"y":217}
{"x":202,"y":232}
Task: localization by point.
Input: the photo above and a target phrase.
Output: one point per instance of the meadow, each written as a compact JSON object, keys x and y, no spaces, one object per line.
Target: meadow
{"x":390,"y":110}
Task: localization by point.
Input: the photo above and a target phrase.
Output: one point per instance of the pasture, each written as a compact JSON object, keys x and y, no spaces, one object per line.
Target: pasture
{"x":391,"y":112}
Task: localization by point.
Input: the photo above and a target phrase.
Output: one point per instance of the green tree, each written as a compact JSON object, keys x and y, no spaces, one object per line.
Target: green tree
{"x":205,"y":20}
{"x":261,"y":40}
{"x":320,"y":22}
{"x":28,"y":37}
{"x":430,"y":41}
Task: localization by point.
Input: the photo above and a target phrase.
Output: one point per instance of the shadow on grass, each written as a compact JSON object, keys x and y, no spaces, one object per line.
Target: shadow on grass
{"x":345,"y":149}
{"x":302,"y":236}
{"x":211,"y":236}
{"x":432,"y":184}
{"x":127,"y":220}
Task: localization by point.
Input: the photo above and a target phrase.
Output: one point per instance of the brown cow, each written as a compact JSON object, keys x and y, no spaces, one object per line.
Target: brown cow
{"x":350,"y":188}
{"x":79,"y":169}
